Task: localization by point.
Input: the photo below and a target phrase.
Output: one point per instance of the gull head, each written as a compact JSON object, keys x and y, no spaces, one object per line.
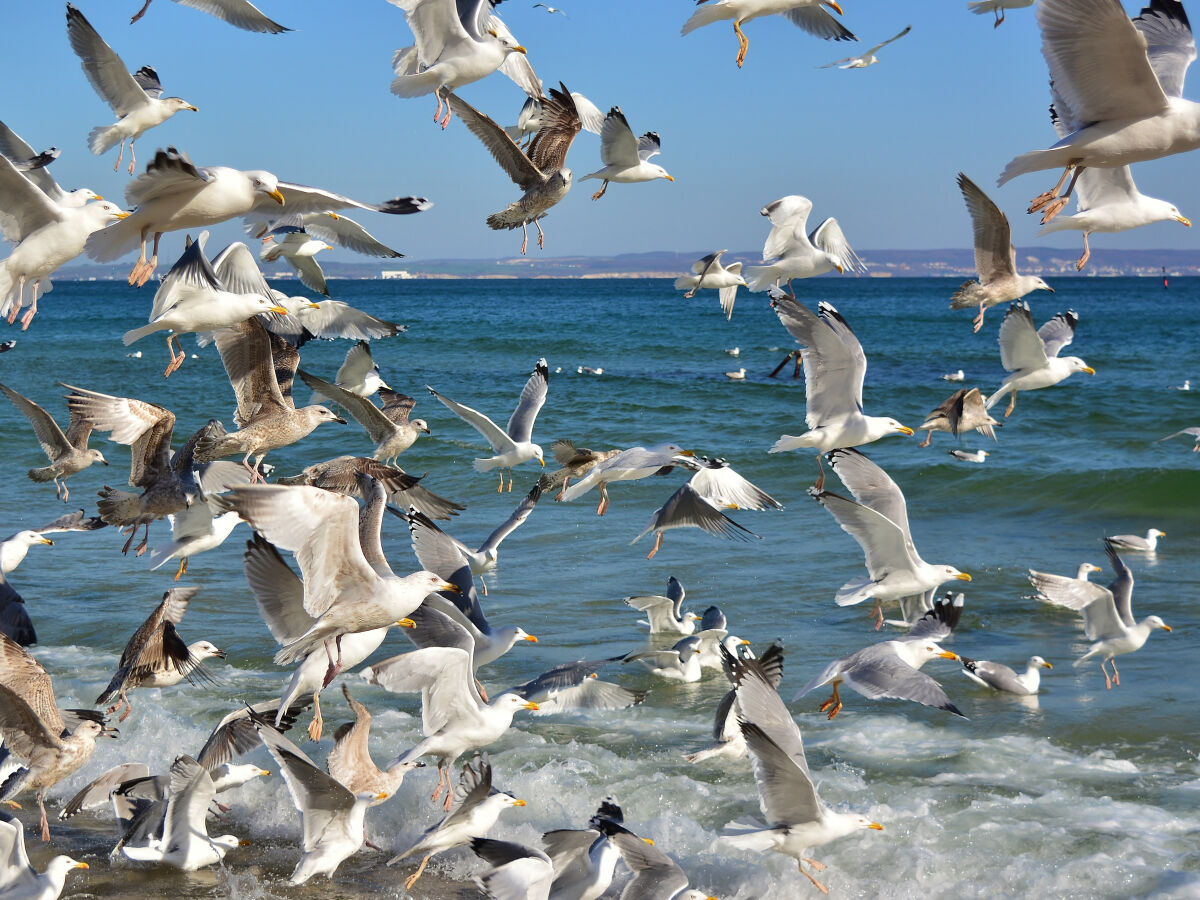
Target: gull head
{"x":894,"y":427}
{"x":96,"y":456}
{"x":537,"y":454}
{"x":1039,"y":285}
{"x":265,"y":183}
{"x":177,"y":103}
{"x":1155,"y":533}
{"x":1075,"y":364}
{"x":832,"y":4}
{"x":507,"y":42}
{"x":420,"y":425}
{"x":522,"y":635}
{"x":1166,"y":212}
{"x":951,"y":572}
{"x":864,"y":822}
{"x":325,"y":414}
{"x":1038,"y":663}
{"x":106,"y":211}
{"x":1156,"y":622}
{"x":30,"y":538}
{"x":933,"y":651}
{"x":660,"y":172}
{"x":204,"y":650}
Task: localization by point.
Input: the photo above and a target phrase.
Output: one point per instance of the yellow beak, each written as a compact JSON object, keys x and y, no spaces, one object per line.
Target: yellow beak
{"x":276,"y":196}
{"x":1184,"y":220}
{"x":382,"y":795}
{"x":875,"y":826}
{"x":946,"y":654}
{"x":123,"y":215}
{"x":278,"y":309}
{"x":192,"y":108}
{"x":904,"y":429}
{"x":406,"y":623}
{"x":46,"y":540}
{"x":452,"y":588}
{"x":963,"y":576}
{"x":1166,"y":627}
{"x":81,"y":865}
{"x":519,"y":803}
{"x":531,"y":705}
{"x":1089,"y":370}
{"x":669,"y":177}
{"x":1046,"y":665}
{"x":531,"y":638}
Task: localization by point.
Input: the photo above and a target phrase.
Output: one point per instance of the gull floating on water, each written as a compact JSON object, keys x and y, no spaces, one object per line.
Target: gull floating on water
{"x":954,"y":376}
{"x":136,"y":98}
{"x":796,"y":254}
{"x":995,"y":258}
{"x":961,"y":411}
{"x":866,"y":58}
{"x":975,"y":456}
{"x":1000,"y":677}
{"x":680,"y":663}
{"x":1135,"y":542}
{"x":68,"y":453}
{"x":805,"y":14}
{"x":626,"y":158}
{"x":1032,"y":356}
{"x":1107,"y":612}
{"x":514,"y":445}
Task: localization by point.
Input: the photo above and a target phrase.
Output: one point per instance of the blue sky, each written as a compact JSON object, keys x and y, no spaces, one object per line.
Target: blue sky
{"x":877,"y":148}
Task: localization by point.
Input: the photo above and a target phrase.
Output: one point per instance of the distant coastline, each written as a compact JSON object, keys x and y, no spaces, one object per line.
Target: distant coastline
{"x":951,"y":263}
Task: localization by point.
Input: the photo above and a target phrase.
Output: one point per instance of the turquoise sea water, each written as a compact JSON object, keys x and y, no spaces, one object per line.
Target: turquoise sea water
{"x":1085,"y":792}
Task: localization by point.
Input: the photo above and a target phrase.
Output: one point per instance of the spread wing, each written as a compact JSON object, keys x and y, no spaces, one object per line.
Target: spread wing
{"x":145,"y":427}
{"x":237,"y":13}
{"x":1169,"y":43}
{"x":50,"y":436}
{"x":1058,"y":332}
{"x":104,"y":70}
{"x":995,"y":256}
{"x":245,"y":352}
{"x":618,"y":146}
{"x":1020,"y":345}
{"x":533,"y":397}
{"x":511,"y":158}
{"x":834,"y":363}
{"x":560,"y":124}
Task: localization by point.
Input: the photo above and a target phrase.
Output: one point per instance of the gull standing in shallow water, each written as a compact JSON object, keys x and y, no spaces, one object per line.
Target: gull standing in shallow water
{"x":68,"y":453}
{"x":805,"y":14}
{"x":626,"y":158}
{"x":877,"y":518}
{"x":514,"y":445}
{"x":1107,"y":613}
{"x":891,"y":669}
{"x":1000,"y":677}
{"x":995,"y":258}
{"x":834,"y":369}
{"x":796,"y":817}
{"x":1031,"y":357}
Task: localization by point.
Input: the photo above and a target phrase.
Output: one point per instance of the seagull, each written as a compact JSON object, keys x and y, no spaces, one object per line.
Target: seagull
{"x":156,"y":655}
{"x":796,"y":817}
{"x":238,"y":13}
{"x":954,"y":376}
{"x":628,"y":465}
{"x":479,"y":806}
{"x":541,"y":172}
{"x":728,"y":740}
{"x":688,"y":507}
{"x":20,"y":154}
{"x":358,"y":373}
{"x":331,"y":815}
{"x":680,"y":663}
{"x":340,"y":475}
{"x":739,"y":375}
{"x":1108,"y":200}
{"x":626,"y":158}
{"x":707,"y":272}
{"x":1107,"y":613}
{"x":1186,"y":386}
{"x":983,"y":7}
{"x":1193,"y":432}
{"x":14,"y":548}
{"x":135,"y":98}
{"x":834,"y":369}
{"x":576,"y":686}
{"x":796,"y":254}
{"x":454,"y":718}
{"x":975,"y":456}
{"x":343,"y":592}
{"x":805,"y":14}
{"x":456,"y":44}
{"x":203,"y":525}
{"x":192,"y":298}
{"x":584,"y":859}
{"x":328,"y":319}
{"x":297,"y":239}
{"x":175,"y":194}
{"x":1135,"y":542}
{"x":390,"y":427}
{"x":865,"y":59}
{"x":47,"y":235}
{"x":34,"y":729}
{"x":514,"y":445}
{"x":655,"y":875}
{"x":68,"y":453}
{"x":551,"y":9}
{"x":664,"y":614}
{"x":890,"y":669}
{"x":995,"y":258}
{"x":877,"y":518}
{"x":961,"y":411}
{"x":350,"y":761}
{"x":575,"y":462}
{"x":1001,"y":678}
{"x":1124,"y":79}
{"x":518,"y":872}
{"x":185,"y":842}
{"x":266,"y":416}
{"x":1032,"y":356}
{"x":18,"y":878}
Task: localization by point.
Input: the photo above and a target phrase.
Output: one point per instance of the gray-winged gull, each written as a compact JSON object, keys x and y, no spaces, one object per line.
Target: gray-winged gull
{"x":1000,"y":677}
{"x":1031,"y":356}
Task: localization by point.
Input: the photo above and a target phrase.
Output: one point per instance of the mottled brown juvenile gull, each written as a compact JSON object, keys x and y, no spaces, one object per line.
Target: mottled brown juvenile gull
{"x":1031,"y":357}
{"x":541,"y":172}
{"x":68,"y":453}
{"x":156,"y":655}
{"x":18,"y":876}
{"x":834,"y":369}
{"x":1107,"y":613}
{"x":797,"y":254}
{"x":626,"y":158}
{"x":961,"y":411}
{"x":707,"y":272}
{"x":266,"y":418}
{"x":1000,"y":677}
{"x":877,"y":518}
{"x":35,"y":729}
{"x":575,"y":462}
{"x":995,"y":258}
{"x":514,"y":444}
{"x":403,"y":489}
{"x":350,"y":759}
{"x":389,"y":427}
{"x":805,"y":14}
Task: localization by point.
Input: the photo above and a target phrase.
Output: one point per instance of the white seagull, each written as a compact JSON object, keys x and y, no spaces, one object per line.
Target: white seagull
{"x":1031,"y":357}
{"x":1192,"y":432}
{"x":805,"y":14}
{"x":135,"y":98}
{"x":238,"y":13}
{"x":867,"y":58}
{"x":707,"y":272}
{"x":797,"y":254}
{"x":983,"y":7}
{"x":1000,"y":677}
{"x":19,"y":879}
{"x":626,"y":158}
{"x":1137,"y":543}
{"x":628,"y":465}
{"x":514,"y":444}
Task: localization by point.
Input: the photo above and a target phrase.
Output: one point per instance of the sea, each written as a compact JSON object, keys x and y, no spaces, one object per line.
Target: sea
{"x":1080,"y":792}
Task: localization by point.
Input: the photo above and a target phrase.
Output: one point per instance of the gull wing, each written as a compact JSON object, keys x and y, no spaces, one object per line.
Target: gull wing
{"x":654,"y":873}
{"x":511,"y":158}
{"x":940,"y":619}
{"x":1058,"y":332}
{"x":320,"y":798}
{"x":357,"y":364}
{"x":701,"y":266}
{"x":907,"y":29}
{"x":687,"y":509}
{"x":445,"y":679}
{"x":761,"y":706}
{"x":871,"y":486}
{"x":533,"y":397}
{"x":1020,"y":345}
{"x":189,"y":796}
{"x":345,"y":232}
{"x":17,"y":150}
{"x":238,"y":13}
{"x":147,"y":79}
{"x":192,"y":277}
{"x":1122,"y":586}
{"x":834,"y":363}
{"x":24,"y":208}
{"x":817,"y":21}
{"x":995,"y":256}
{"x":50,"y":436}
{"x":514,"y":521}
{"x":1193,"y":431}
{"x":237,"y":733}
{"x":170,"y":172}
{"x":786,"y":793}
{"x":559,"y":126}
{"x":29,"y":716}
{"x":104,"y":70}
{"x":828,"y":236}
{"x":1097,"y":59}
{"x":971,"y":412}
{"x":877,"y":672}
{"x":499,"y":441}
{"x":649,"y":144}
{"x":618,"y":146}
{"x":518,"y":872}
{"x":245,"y":350}
{"x":884,"y":543}
{"x":278,"y":591}
{"x":788,"y":217}
{"x":336,"y":319}
{"x":299,"y":198}
{"x":365,"y":412}
{"x":239,"y":273}
{"x":435,"y":24}
{"x":717,"y":482}
{"x":1170,"y":45}
{"x":144,"y":427}
{"x":1094,"y":601}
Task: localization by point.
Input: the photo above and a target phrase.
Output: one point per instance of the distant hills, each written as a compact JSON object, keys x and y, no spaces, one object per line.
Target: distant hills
{"x":957,"y":263}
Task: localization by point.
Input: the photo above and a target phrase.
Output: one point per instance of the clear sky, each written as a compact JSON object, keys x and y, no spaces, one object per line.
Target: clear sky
{"x":877,"y":148}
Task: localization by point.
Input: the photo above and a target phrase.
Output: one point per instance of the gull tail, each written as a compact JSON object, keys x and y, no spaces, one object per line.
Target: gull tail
{"x":705,"y":15}
{"x":1033,"y":161}
{"x":854,"y":592}
{"x":137,"y":334}
{"x":417,"y":84}
{"x":759,"y":278}
{"x":484,"y":465}
{"x":45,"y":473}
{"x":103,"y":138}
{"x":748,"y":836}
{"x":119,"y":507}
{"x":791,"y":442}
{"x":965,"y":297}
